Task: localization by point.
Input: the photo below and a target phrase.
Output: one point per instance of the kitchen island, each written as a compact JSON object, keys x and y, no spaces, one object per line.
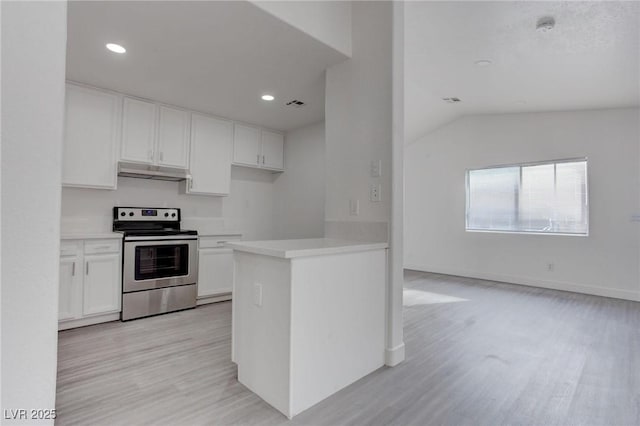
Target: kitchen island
{"x":308,"y":317}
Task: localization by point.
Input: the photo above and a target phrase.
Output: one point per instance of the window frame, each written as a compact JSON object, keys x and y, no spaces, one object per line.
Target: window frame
{"x":520,"y":166}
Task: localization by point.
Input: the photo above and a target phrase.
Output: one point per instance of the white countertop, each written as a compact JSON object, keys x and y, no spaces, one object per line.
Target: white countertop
{"x":288,"y":249}
{"x":89,"y":235}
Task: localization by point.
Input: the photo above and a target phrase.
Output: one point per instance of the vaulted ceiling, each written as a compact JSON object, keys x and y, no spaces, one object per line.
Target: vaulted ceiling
{"x":589,"y":60}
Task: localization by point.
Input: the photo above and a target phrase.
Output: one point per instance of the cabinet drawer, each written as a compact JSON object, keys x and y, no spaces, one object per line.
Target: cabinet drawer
{"x":101,"y":246}
{"x":70,"y":248}
{"x":216,"y":241}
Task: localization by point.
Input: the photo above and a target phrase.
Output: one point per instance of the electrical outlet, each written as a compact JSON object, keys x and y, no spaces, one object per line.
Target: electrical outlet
{"x":354,"y":207}
{"x":551,"y":267}
{"x":376,"y":168}
{"x":374,"y":192}
{"x":257,"y":294}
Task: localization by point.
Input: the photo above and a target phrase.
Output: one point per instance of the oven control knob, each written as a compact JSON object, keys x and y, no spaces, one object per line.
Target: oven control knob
{"x":166,"y":215}
{"x":173,"y":215}
{"x":123,"y":214}
{"x":130,"y":213}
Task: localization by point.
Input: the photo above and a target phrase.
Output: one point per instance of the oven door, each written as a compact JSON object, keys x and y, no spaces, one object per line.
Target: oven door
{"x":159,"y":263}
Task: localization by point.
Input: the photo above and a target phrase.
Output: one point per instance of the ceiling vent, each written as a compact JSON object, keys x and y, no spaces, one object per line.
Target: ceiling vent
{"x":295,"y":103}
{"x":451,"y":100}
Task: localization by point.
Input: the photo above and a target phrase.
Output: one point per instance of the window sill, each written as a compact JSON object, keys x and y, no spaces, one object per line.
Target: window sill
{"x":559,"y":234}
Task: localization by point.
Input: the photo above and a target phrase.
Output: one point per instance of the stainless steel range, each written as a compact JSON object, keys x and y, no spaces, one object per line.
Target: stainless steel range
{"x":160,"y":261}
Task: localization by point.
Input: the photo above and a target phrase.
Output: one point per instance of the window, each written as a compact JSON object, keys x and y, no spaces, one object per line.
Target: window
{"x":544,"y":198}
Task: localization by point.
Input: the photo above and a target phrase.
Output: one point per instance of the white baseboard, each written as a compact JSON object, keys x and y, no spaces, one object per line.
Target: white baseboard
{"x":532,"y":282}
{"x":65,"y":325}
{"x":213,"y":299}
{"x":394,"y":356}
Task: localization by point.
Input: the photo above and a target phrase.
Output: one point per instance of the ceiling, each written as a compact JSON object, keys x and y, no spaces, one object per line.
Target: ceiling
{"x":214,"y":57}
{"x":589,"y":60}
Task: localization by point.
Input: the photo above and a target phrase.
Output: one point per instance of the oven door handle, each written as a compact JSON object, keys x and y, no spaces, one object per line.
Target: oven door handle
{"x":162,"y":238}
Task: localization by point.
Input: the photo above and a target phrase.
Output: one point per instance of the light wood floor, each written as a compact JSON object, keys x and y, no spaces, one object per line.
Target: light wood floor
{"x":478,"y":353}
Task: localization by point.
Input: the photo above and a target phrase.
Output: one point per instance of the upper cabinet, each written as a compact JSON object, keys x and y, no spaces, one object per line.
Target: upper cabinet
{"x":154,"y":134}
{"x":246,"y":145}
{"x":102,"y":127}
{"x":138,"y":131}
{"x":210,"y":159}
{"x":254,"y":147}
{"x":272,"y":150}
{"x":92,"y":128}
{"x":173,"y":137}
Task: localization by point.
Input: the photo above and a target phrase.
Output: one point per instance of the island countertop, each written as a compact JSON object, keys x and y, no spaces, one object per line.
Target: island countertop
{"x":288,"y":249}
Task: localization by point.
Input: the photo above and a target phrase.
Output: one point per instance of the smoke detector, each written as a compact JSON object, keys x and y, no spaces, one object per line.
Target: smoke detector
{"x":452,"y":100}
{"x":296,"y":103}
{"x":545,"y":24}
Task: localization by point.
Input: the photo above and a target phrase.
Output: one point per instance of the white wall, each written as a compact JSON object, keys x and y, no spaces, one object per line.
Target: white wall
{"x":358,"y":114}
{"x":604,"y":263}
{"x":299,"y":192}
{"x":33,"y":72}
{"x":248,"y":209}
{"x":326,"y":21}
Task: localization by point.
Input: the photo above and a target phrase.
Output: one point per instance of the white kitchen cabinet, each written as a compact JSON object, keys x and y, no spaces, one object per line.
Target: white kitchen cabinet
{"x":69,"y":304}
{"x":210,"y":156}
{"x":272,"y":150}
{"x":138,"y":131}
{"x":91,"y":132}
{"x":259,"y":148}
{"x":90,"y":282}
{"x":215,"y":268}
{"x":246,"y":145}
{"x":215,"y":272}
{"x":154,"y":134}
{"x":101,"y":295}
{"x":173,"y":137}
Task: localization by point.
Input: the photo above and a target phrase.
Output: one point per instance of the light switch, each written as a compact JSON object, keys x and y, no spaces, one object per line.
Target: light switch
{"x":354,"y":207}
{"x":257,"y":294}
{"x":376,"y":168}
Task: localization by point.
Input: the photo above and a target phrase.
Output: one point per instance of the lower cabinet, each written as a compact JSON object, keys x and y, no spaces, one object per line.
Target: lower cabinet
{"x":101,"y":283}
{"x":215,"y":269}
{"x":69,"y":304}
{"x":90,"y":282}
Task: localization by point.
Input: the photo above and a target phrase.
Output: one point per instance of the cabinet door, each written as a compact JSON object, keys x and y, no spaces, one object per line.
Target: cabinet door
{"x":101,"y":283}
{"x":246,"y":145}
{"x":138,"y":131}
{"x":92,"y":124}
{"x":272,"y":150}
{"x":215,"y":272}
{"x":70,"y":294}
{"x":211,"y":150}
{"x":173,"y":137}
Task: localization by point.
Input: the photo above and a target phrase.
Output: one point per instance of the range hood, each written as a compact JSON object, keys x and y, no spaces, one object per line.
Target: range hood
{"x":144,"y":171}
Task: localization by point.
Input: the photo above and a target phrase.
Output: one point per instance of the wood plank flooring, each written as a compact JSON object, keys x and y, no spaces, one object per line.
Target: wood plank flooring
{"x":478,"y":353}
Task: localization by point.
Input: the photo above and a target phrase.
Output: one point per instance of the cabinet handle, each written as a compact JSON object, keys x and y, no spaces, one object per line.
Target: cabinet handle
{"x":221,"y":242}
{"x":161,"y":156}
{"x":150,"y":155}
{"x":258,"y":159}
{"x":102,"y":247}
{"x":191,"y":183}
{"x":263,"y":159}
{"x":73,"y":269}
{"x":87,"y":268}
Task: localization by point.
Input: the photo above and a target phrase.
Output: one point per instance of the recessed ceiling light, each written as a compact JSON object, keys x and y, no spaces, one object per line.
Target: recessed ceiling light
{"x":116,"y":48}
{"x":268,"y":97}
{"x":483,"y":62}
{"x":545,"y":24}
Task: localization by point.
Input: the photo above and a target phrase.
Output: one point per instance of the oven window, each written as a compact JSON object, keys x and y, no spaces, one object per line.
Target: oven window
{"x":153,"y":262}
